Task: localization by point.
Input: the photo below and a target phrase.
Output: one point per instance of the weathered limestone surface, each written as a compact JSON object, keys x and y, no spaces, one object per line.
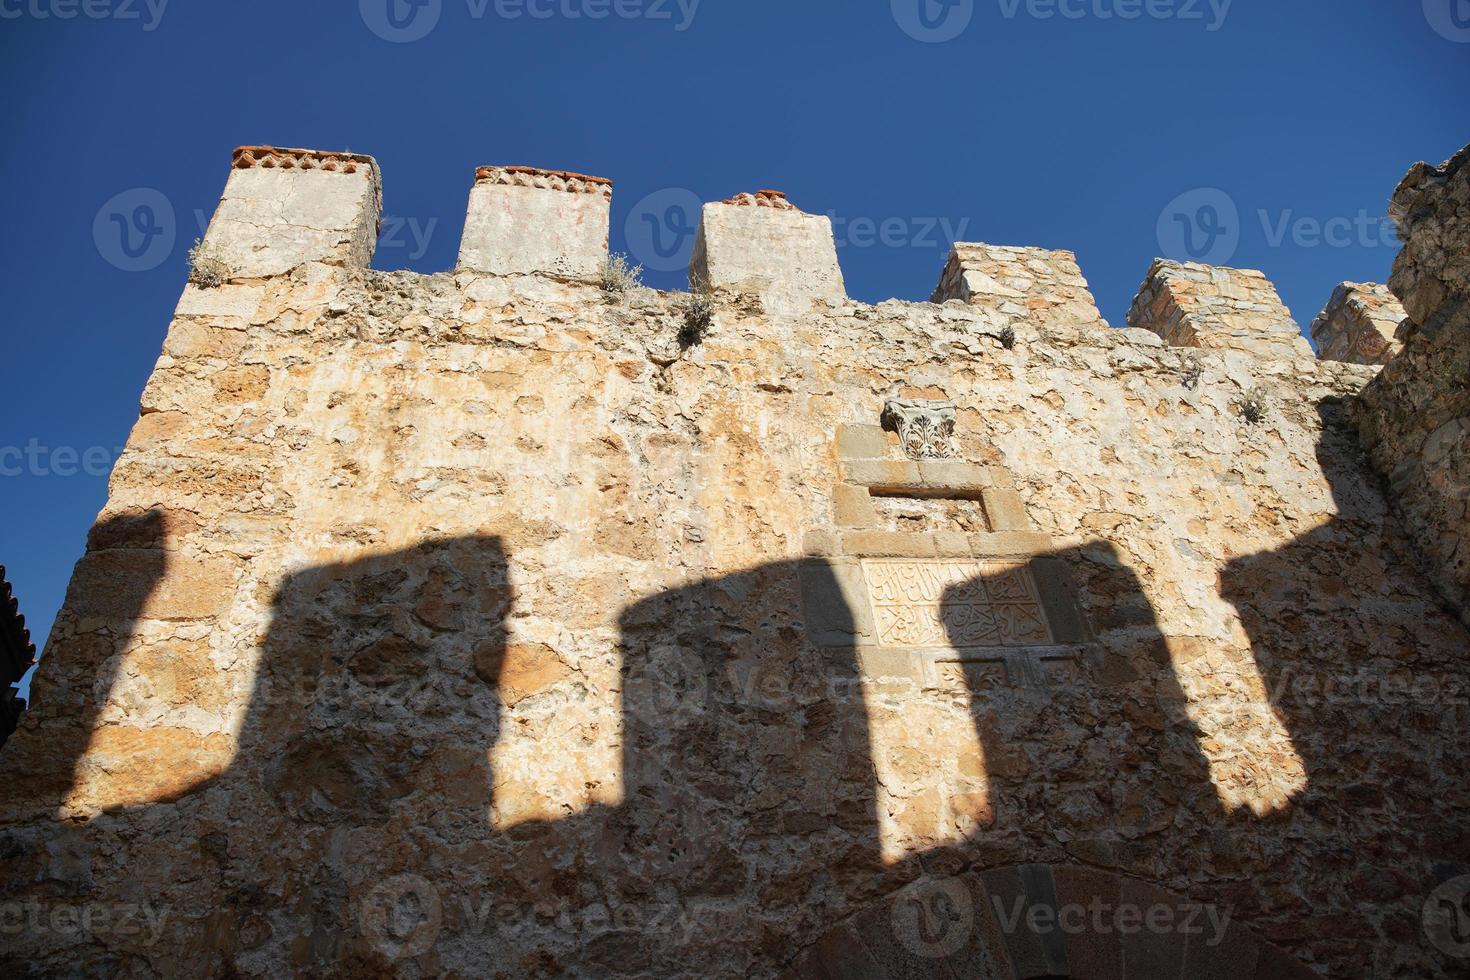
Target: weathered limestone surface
{"x":441,"y":625}
{"x":1035,"y":285}
{"x":762,"y":242}
{"x":285,"y":207}
{"x":524,"y":221}
{"x":1415,"y":417}
{"x":1193,"y":305}
{"x":1359,"y":325}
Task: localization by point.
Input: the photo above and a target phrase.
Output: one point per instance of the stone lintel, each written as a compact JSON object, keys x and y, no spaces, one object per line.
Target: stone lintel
{"x":944,"y":478}
{"x":528,"y":221}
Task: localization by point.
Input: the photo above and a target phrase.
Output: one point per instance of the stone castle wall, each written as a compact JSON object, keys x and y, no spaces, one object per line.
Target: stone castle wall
{"x":487,"y":623}
{"x":1415,"y":416}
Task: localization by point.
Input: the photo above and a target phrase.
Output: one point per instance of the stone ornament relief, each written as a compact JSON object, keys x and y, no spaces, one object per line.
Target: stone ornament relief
{"x":960,"y":604}
{"x":925,"y":428}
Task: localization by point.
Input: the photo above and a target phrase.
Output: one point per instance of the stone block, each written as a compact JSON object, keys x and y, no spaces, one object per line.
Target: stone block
{"x":888,"y":544}
{"x":954,"y":478}
{"x":951,"y":544}
{"x":284,"y":207}
{"x":885,"y":475}
{"x":862,"y":442}
{"x":1090,"y":953}
{"x":835,"y":603}
{"x":229,"y":300}
{"x":1359,"y":325}
{"x":852,"y":506}
{"x":1194,"y":305}
{"x":1009,"y":544}
{"x":524,"y":221}
{"x":761,"y":243}
{"x":1012,"y":893}
{"x":1059,"y":600}
{"x":1149,"y":951}
{"x":1005,"y":510}
{"x":1431,"y":275}
{"x":1036,"y":285}
{"x":126,"y":584}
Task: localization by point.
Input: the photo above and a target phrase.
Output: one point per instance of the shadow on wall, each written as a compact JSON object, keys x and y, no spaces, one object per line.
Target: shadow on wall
{"x":1351,"y":649}
{"x":126,"y":559}
{"x":356,"y":830}
{"x":353,"y":834}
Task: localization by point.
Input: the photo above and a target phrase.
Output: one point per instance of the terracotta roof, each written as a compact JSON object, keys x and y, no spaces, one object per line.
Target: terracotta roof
{"x":286,"y":158}
{"x":551,"y":180}
{"x":763,"y":199}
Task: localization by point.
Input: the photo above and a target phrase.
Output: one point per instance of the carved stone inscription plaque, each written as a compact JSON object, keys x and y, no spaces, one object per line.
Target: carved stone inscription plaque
{"x":954,"y":603}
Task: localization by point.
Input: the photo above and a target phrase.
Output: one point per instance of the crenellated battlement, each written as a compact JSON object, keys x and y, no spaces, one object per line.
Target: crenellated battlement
{"x":1019,"y":284}
{"x":1212,"y":307}
{"x":1360,"y":324}
{"x":285,"y":206}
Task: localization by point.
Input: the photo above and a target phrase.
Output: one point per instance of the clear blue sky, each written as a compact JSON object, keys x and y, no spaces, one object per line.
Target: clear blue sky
{"x":1064,"y":123}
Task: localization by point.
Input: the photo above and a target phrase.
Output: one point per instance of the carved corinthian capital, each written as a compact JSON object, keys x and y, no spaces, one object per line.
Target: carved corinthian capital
{"x":926,"y":428}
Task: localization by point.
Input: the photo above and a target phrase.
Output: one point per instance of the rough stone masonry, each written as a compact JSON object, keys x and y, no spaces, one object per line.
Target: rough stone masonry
{"x":490,"y":624}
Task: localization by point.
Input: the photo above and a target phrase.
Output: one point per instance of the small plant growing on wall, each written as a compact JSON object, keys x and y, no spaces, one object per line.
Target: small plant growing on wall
{"x":1192,"y":372}
{"x":698,"y":314}
{"x":1008,"y":338}
{"x":1253,"y":406}
{"x":620,"y":276}
{"x":206,"y":269}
